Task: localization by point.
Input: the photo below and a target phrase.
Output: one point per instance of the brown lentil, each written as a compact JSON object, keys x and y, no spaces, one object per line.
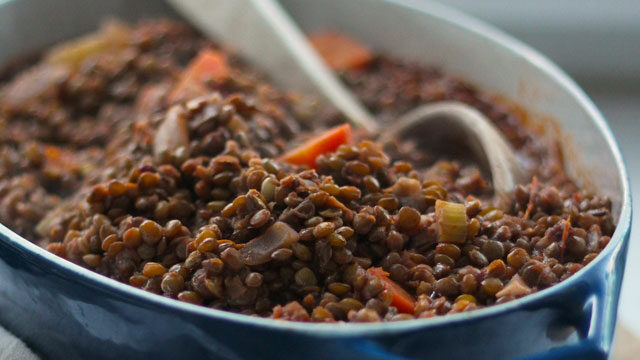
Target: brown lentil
{"x":305,"y":277}
{"x":339,"y":289}
{"x":132,"y":238}
{"x":172,"y":283}
{"x":282,"y":254}
{"x":151,"y":232}
{"x":517,"y":257}
{"x":323,"y":229}
{"x":239,"y":229}
{"x":254,"y":279}
{"x":231,"y":259}
{"x":152,"y":269}
{"x":491,"y":286}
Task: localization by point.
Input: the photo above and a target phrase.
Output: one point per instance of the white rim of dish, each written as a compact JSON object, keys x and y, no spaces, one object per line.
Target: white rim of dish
{"x":345,"y":330}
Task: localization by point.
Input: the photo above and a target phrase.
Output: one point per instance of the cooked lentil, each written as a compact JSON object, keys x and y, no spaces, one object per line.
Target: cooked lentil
{"x":188,"y":198}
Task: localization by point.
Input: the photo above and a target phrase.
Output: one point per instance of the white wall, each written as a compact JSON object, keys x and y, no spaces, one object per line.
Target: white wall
{"x":591,"y":39}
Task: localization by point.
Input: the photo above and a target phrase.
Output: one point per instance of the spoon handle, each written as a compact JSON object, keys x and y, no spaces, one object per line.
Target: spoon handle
{"x":264,"y":35}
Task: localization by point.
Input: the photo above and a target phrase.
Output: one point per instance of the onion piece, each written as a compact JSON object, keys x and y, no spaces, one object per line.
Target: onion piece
{"x":172,"y":134}
{"x":38,"y":84}
{"x":112,"y":35}
{"x":516,"y":287}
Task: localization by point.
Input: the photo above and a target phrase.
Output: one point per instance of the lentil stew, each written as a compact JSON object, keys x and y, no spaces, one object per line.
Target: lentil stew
{"x":147,"y":154}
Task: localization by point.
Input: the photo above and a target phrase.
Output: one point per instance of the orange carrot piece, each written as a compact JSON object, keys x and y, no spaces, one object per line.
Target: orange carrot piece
{"x":208,"y":65}
{"x":340,"y":52}
{"x":576,"y":197}
{"x":532,"y":197}
{"x":402,"y":300}
{"x":565,"y":235}
{"x":307,"y":152}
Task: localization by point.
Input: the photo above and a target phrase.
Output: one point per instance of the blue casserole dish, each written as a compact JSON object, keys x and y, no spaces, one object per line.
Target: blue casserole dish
{"x":65,"y":311}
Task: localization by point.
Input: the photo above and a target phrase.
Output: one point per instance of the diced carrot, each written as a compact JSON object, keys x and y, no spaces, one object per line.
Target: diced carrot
{"x":208,"y":65}
{"x":52,"y":152}
{"x":576,"y":197}
{"x":401,"y":299}
{"x":340,"y":52}
{"x":329,"y":141}
{"x":565,"y":235}
{"x":532,"y":197}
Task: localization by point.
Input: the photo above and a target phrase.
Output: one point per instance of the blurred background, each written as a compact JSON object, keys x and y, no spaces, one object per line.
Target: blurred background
{"x":598,"y":43}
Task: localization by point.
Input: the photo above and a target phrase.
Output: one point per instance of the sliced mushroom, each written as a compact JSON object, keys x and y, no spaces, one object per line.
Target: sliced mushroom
{"x":258,"y":251}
